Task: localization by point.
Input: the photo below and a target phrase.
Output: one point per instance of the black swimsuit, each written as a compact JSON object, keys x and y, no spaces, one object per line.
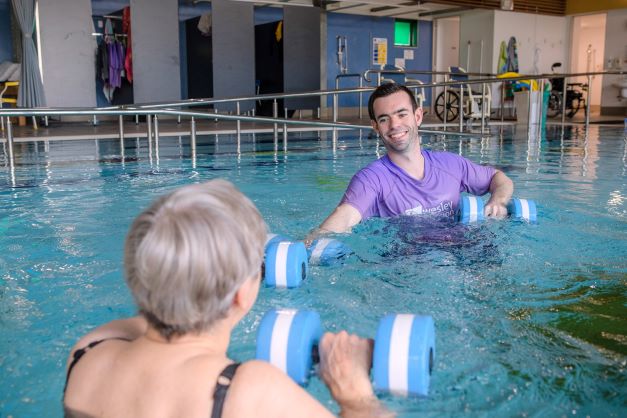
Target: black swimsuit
{"x":219,"y":394}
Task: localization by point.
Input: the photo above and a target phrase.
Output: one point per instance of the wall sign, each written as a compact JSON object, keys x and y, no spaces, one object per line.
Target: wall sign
{"x":379,"y":51}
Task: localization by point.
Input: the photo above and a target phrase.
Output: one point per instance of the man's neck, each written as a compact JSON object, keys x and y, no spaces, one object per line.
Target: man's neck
{"x":413,"y":163}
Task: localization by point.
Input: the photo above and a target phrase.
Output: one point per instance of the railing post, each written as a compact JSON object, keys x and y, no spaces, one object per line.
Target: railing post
{"x":563,"y":102}
{"x":192,"y":136}
{"x":136,"y":119}
{"x":238,"y":125}
{"x":445,"y":105}
{"x":541,"y":109}
{"x":335,"y":107}
{"x":10,"y":142}
{"x":94,"y":120}
{"x":149,"y":125}
{"x":275,"y":114}
{"x":361,"y":95}
{"x":588,"y":103}
{"x":482,"y":105}
{"x":502,"y":102}
{"x":156,"y":122}
{"x":461,"y":108}
{"x":285,"y":130}
{"x":121,"y":127}
{"x":529,"y":107}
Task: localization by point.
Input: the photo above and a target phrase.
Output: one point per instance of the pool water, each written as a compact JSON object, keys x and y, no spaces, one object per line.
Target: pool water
{"x":531,"y":319}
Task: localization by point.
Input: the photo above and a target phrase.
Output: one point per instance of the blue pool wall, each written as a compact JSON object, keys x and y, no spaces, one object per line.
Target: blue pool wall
{"x":359,"y":31}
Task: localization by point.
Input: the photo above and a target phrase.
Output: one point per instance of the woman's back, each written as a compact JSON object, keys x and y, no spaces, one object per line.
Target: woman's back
{"x":147,"y":378}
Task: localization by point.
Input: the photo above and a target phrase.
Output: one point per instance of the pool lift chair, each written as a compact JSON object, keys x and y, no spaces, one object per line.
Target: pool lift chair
{"x":419,"y":92}
{"x":473,"y":99}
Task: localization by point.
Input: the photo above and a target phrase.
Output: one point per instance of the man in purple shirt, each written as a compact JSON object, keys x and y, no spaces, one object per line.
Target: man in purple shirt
{"x":408,"y":180}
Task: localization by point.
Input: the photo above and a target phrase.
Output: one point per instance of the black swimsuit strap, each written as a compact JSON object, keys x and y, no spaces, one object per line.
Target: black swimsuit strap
{"x":222,"y":387}
{"x":81,"y":352}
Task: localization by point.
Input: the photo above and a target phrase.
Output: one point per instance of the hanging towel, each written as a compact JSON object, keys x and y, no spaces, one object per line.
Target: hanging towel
{"x":204,"y":24}
{"x":126,"y":28}
{"x":502,"y":63}
{"x":512,"y":55}
{"x":278,"y":33}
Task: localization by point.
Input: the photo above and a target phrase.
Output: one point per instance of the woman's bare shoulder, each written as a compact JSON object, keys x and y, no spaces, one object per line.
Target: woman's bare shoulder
{"x":260,"y":389}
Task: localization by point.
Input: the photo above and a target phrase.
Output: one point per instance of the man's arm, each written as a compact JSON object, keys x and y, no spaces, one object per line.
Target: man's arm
{"x":501,"y":190}
{"x":343,"y":218}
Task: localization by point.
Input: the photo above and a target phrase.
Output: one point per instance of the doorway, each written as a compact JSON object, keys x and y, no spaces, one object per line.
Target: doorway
{"x":587,"y":53}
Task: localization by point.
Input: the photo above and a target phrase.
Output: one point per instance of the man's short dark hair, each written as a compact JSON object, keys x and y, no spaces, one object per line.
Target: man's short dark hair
{"x":385,"y":90}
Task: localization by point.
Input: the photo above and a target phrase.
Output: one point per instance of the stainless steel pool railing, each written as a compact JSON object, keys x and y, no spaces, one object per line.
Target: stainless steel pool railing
{"x":150,"y":110}
{"x":336,"y":107}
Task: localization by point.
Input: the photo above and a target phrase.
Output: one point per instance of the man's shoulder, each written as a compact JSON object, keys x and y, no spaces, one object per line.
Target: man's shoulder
{"x":375,"y":167}
{"x":441,"y":156}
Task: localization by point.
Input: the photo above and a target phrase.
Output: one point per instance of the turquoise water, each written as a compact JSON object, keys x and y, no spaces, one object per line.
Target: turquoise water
{"x":531,"y":320}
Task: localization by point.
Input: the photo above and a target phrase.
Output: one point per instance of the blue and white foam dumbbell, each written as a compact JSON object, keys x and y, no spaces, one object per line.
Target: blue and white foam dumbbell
{"x":326,"y":251}
{"x":524,"y":209}
{"x":274,"y":238}
{"x":404,"y":349}
{"x":470,"y":209}
{"x":286,"y":264}
{"x":288,"y":339}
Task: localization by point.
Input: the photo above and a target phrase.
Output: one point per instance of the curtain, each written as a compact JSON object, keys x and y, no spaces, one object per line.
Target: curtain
{"x":31,"y":91}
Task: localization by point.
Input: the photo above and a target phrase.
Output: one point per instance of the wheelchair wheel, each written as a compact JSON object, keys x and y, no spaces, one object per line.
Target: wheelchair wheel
{"x":555,"y":105}
{"x":577,"y":103}
{"x":451,"y":103}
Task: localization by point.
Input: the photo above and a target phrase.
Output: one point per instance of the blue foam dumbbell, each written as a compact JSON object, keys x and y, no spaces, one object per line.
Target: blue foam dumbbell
{"x":524,"y":209}
{"x":471,"y":209}
{"x":325,"y":251}
{"x":403,"y":356}
{"x":285,"y":264}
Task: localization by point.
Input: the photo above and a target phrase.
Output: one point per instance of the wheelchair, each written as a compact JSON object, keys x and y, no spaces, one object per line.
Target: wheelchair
{"x":574,"y":96}
{"x":472,"y":99}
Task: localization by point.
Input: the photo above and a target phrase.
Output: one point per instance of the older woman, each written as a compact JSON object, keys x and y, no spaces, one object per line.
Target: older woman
{"x":192,"y":262}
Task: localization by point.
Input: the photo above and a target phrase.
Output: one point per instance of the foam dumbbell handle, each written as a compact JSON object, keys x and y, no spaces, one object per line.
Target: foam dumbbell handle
{"x":289,"y":339}
{"x":286,"y":264}
{"x":523,"y":209}
{"x":404,"y":351}
{"x":324,"y":251}
{"x":471,"y":209}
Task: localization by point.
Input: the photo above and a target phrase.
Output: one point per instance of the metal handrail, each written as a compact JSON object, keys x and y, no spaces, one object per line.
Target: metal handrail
{"x":419,"y":72}
{"x":271,"y":96}
{"x":336,"y":99}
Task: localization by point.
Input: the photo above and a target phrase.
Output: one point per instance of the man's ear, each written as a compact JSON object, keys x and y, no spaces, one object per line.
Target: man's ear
{"x":375,"y":126}
{"x":418,"y":115}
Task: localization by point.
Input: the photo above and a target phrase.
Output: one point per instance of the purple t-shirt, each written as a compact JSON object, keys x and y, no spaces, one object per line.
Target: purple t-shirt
{"x":383,"y":189}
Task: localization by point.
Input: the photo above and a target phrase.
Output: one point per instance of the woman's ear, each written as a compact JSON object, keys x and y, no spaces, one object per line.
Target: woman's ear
{"x":246,"y":295}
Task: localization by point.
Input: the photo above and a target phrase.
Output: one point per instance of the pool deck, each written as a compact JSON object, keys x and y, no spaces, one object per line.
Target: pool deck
{"x":168,"y":127}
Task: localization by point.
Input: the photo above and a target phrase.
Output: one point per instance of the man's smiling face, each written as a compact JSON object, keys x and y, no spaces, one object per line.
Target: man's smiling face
{"x":396,"y":122}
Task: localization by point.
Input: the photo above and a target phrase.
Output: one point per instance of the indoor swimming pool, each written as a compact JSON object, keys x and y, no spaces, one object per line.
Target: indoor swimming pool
{"x":530,"y":318}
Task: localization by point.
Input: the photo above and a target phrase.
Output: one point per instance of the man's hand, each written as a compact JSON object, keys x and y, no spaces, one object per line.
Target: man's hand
{"x":501,"y":190}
